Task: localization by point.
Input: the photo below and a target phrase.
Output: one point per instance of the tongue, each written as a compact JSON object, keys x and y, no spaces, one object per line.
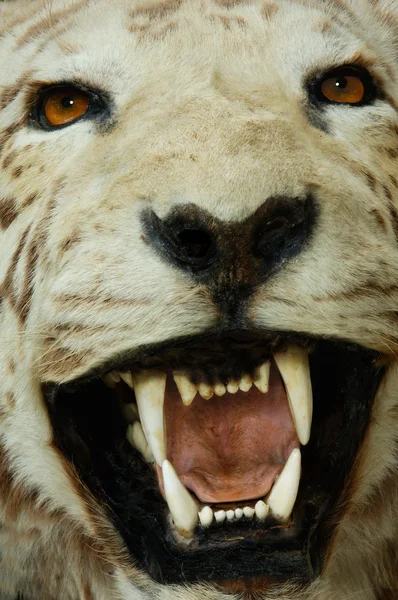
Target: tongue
{"x":231,"y":448}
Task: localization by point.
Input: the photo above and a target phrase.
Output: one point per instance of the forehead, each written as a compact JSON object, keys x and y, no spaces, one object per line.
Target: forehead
{"x":130,"y":44}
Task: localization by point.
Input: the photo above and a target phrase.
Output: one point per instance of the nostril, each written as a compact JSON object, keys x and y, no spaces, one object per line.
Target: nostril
{"x":194,"y":243}
{"x":185,"y":236}
{"x":268,"y":233}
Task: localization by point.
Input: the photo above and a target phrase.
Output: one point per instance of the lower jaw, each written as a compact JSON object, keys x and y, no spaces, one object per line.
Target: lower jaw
{"x":248,"y":550}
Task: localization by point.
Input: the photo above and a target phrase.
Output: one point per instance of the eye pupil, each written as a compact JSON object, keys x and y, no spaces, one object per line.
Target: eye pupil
{"x":67,"y":102}
{"x":341,"y":83}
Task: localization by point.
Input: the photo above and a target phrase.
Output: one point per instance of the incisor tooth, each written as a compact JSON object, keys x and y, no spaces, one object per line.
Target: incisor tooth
{"x":232,"y":387}
{"x":220,"y":516}
{"x":219,"y":389}
{"x":262,"y":510}
{"x":206,"y":516}
{"x":261,"y":378}
{"x":149,"y":389}
{"x":284,"y":492}
{"x":245,"y":383}
{"x":238,"y":513}
{"x":294,"y":368}
{"x":183,"y":508}
{"x":136,"y":437}
{"x":127,"y":378}
{"x":186,"y":388}
{"x":206,"y":391}
{"x":248,"y":512}
{"x":230,"y":515}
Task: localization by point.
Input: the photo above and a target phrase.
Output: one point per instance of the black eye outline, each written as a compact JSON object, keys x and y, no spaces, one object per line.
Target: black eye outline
{"x":98,"y":105}
{"x":315,"y":82}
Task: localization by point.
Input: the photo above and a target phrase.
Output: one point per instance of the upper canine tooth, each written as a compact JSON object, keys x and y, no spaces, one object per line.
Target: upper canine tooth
{"x":284,"y":492}
{"x":245,"y":383}
{"x":127,"y":378}
{"x":261,"y":379}
{"x":136,"y":437}
{"x":295,"y":371}
{"x":149,"y":389}
{"x":206,"y":391}
{"x":183,"y":508}
{"x":186,"y":388}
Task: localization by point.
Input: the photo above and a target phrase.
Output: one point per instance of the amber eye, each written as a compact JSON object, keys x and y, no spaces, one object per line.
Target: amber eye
{"x":343,"y":88}
{"x":63,"y":105}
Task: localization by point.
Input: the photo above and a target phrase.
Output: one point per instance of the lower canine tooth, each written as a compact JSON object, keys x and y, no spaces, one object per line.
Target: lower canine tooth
{"x":220,"y":516}
{"x":262,"y":510}
{"x":149,"y":389}
{"x":186,"y":388}
{"x":284,"y":493}
{"x":137,"y":439}
{"x":206,"y":391}
{"x":261,"y":379}
{"x":206,"y":516}
{"x":182,"y":506}
{"x":248,"y":512}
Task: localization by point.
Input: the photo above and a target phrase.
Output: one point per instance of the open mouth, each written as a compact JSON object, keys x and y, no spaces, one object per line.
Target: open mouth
{"x":223,"y":456}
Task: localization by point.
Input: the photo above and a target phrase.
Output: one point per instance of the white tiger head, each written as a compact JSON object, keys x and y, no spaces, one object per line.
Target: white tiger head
{"x":199,"y":281}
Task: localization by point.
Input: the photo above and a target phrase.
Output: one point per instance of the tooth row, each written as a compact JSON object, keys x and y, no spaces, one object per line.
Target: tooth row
{"x":188,"y":390}
{"x":150,"y":388}
{"x":207,"y":515}
{"x":293,"y":366}
{"x":184,"y":509}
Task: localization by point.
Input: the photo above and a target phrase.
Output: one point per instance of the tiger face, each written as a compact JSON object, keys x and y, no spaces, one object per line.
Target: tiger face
{"x":199,"y":286}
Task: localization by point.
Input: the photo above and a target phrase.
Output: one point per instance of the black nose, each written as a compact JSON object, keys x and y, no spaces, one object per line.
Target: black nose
{"x":225,"y":254}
